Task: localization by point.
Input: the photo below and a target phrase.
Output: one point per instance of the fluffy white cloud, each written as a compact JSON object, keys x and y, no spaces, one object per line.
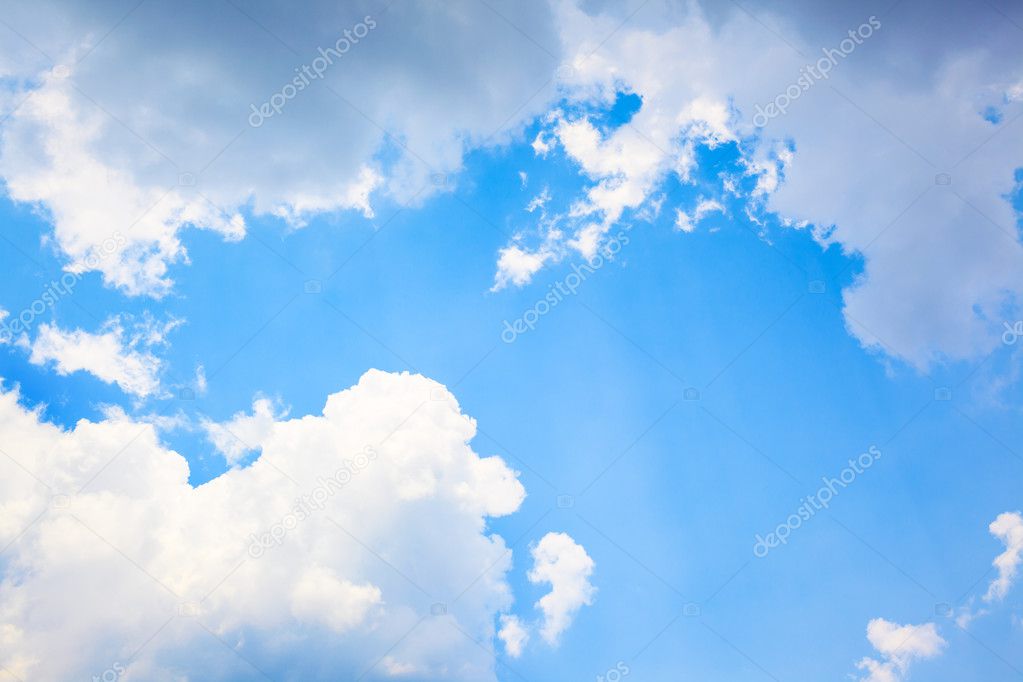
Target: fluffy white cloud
{"x":144,"y":150}
{"x":899,"y":646}
{"x":316,"y":561}
{"x":514,"y":634}
{"x":1008,"y":528}
{"x":121,"y":132}
{"x":236,"y":437}
{"x":48,"y":157}
{"x":319,"y":596}
{"x":560,"y":561}
{"x":625,"y":168}
{"x":897,"y":165}
{"x":517,"y":266}
{"x":114,"y":355}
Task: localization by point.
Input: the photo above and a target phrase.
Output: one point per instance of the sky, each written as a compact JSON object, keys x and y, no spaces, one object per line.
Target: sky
{"x":486,"y":340}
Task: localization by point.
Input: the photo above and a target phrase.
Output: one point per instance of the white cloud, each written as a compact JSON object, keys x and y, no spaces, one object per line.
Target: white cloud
{"x":899,"y":646}
{"x":103,"y":147}
{"x":687,"y":223}
{"x":561,"y":562}
{"x":355,"y":196}
{"x":683,"y":222}
{"x":517,"y":266}
{"x":114,"y":355}
{"x":706,"y":206}
{"x":541,"y":145}
{"x":1008,"y":528}
{"x":514,"y":634}
{"x":48,"y":157}
{"x":396,"y":668}
{"x":539,"y":201}
{"x":320,"y":596}
{"x":129,"y":139}
{"x":625,"y":167}
{"x":941,"y":273}
{"x":200,"y":380}
{"x":110,"y":545}
{"x":1014,"y":93}
{"x":241,"y":434}
{"x":966,"y":615}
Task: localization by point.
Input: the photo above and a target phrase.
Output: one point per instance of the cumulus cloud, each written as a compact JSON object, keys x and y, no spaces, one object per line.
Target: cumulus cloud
{"x":48,"y":158}
{"x":1008,"y":528}
{"x":116,"y":355}
{"x":319,"y":596}
{"x":899,"y":646}
{"x":236,"y":437}
{"x":561,"y":562}
{"x":315,"y":562}
{"x":514,"y":634}
{"x":120,"y":131}
{"x":517,"y":266}
{"x":923,"y":187}
{"x":922,"y":191}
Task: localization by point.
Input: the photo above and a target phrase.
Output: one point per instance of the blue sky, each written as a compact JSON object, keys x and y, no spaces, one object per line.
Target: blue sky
{"x":833,"y":296}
